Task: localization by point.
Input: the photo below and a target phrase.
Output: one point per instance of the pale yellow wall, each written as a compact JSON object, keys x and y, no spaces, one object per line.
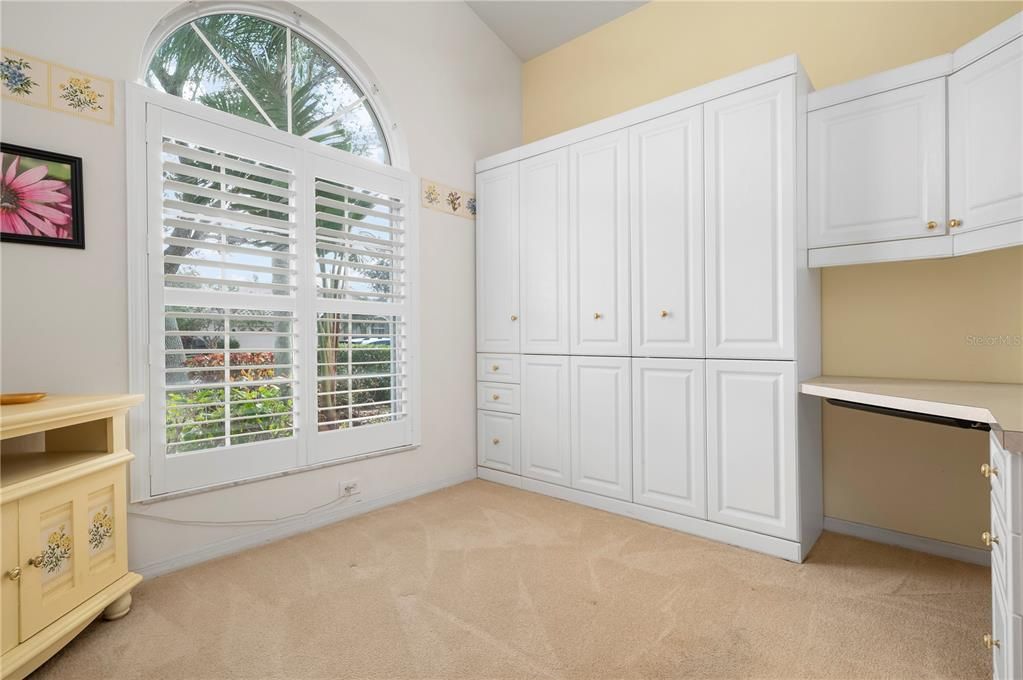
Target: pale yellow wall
{"x":912,"y":319}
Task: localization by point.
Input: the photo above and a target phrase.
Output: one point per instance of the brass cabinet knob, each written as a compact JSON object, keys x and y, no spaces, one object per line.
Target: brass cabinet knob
{"x":496,"y":397}
{"x":495,"y":368}
{"x":932,"y":225}
{"x":514,"y":317}
{"x":988,"y":471}
{"x":36,"y":561}
{"x":990,"y":642}
{"x":597,"y":315}
{"x":664,"y":313}
{"x":14,"y":574}
{"x":987,"y":539}
{"x":496,"y":441}
{"x":955,"y":223}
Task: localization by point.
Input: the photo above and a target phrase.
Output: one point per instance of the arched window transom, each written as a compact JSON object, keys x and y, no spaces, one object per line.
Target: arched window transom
{"x":265,"y":72}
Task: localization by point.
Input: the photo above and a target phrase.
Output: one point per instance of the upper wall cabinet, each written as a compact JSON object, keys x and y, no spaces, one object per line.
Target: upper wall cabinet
{"x":543,"y":214}
{"x":750,"y":213}
{"x":497,"y":260}
{"x":985,"y":128}
{"x":666,"y":191}
{"x":876,"y":167}
{"x":599,"y":245}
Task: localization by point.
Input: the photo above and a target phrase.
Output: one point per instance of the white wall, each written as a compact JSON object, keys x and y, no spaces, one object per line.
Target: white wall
{"x":454,"y":88}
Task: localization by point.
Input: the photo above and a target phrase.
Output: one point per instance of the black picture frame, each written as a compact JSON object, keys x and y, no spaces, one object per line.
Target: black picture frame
{"x":77,"y":239}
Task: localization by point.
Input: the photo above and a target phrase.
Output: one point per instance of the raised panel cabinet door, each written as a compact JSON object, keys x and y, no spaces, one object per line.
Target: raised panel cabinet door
{"x":985,"y":131}
{"x":497,"y":260}
{"x":876,"y":167}
{"x":750,"y":213}
{"x":543,"y":226}
{"x":602,"y":426}
{"x":546,"y":419}
{"x":666,"y":225}
{"x":669,"y":457}
{"x":497,"y":441}
{"x":599,"y":245}
{"x":751,"y":446}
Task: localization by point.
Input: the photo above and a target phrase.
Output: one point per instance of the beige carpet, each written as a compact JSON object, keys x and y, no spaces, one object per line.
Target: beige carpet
{"x":484,"y":581}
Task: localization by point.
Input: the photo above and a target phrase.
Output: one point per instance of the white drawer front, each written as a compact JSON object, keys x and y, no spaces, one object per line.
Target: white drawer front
{"x":1000,"y":623}
{"x":497,"y":441}
{"x":1000,"y":547}
{"x":498,"y":397}
{"x":1006,"y":485}
{"x":497,"y":367}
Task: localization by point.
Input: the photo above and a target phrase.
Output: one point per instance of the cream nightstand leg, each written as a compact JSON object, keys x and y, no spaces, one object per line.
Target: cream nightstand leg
{"x":118,"y":607}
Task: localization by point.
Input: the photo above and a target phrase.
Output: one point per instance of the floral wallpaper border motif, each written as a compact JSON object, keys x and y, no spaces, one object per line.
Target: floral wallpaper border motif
{"x":442,"y":198}
{"x":34,"y":81}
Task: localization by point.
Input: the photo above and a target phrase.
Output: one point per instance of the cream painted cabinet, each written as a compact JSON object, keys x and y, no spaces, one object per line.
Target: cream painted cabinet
{"x":601,"y":426}
{"x":985,"y":132}
{"x":546,"y":419}
{"x":599,"y":245}
{"x":750,"y":213}
{"x":497,"y":260}
{"x":751,"y":446}
{"x":876,"y":167}
{"x":666,"y":226}
{"x":543,"y":227}
{"x":669,"y":468}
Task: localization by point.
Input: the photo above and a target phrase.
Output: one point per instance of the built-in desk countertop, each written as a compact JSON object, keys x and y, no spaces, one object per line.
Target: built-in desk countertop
{"x":1000,"y":405}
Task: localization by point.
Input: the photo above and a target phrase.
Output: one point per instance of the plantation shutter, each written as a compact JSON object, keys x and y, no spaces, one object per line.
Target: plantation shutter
{"x":280,"y":303}
{"x":362,"y":305}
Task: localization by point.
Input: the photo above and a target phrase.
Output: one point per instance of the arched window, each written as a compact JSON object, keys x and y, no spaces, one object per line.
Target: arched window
{"x":268,"y":73}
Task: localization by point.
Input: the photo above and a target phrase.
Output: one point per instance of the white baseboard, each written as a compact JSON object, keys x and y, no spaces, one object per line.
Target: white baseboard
{"x":296,"y":526}
{"x":776,"y":547}
{"x":930,"y":546}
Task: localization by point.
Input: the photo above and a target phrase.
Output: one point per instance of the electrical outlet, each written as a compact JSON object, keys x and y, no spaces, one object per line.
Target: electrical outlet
{"x":349,"y":488}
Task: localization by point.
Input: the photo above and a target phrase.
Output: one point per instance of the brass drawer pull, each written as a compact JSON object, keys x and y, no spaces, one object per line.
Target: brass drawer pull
{"x":990,"y":642}
{"x":988,"y":471}
{"x":987,"y":539}
{"x":496,"y":397}
{"x":932,"y":225}
{"x":14,"y":574}
{"x":514,"y":317}
{"x":495,"y":368}
{"x":955,"y":223}
{"x":36,"y":561}
{"x":496,"y":441}
{"x":597,"y":315}
{"x":664,"y":313}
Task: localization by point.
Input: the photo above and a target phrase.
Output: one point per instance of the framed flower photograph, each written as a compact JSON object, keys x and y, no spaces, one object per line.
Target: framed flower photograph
{"x":40,"y":197}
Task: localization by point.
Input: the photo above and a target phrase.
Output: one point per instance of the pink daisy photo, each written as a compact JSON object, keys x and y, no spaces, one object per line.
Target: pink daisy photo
{"x":40,"y":197}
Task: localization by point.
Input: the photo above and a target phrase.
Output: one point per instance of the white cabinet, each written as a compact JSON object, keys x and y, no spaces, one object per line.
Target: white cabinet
{"x":751,"y":446}
{"x":601,"y":426}
{"x":666,"y":225}
{"x":497,"y":260}
{"x":668,"y":445}
{"x":750,"y":247}
{"x":985,"y":131}
{"x":599,"y":245}
{"x":546,"y":419}
{"x":543,"y":215}
{"x":497,"y":441}
{"x":876,"y":167}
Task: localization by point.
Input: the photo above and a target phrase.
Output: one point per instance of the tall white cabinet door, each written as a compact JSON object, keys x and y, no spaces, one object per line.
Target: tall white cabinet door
{"x":666,"y":224}
{"x":750,"y":177}
{"x":543,"y":214}
{"x":599,"y":245}
{"x":669,"y":459}
{"x":876,"y":167}
{"x":602,"y":426}
{"x":752,"y":476}
{"x":497,"y":260}
{"x":546,"y":445}
{"x":985,"y":132}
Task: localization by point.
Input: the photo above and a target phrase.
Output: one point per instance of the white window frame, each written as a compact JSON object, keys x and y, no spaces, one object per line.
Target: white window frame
{"x":137,"y":99}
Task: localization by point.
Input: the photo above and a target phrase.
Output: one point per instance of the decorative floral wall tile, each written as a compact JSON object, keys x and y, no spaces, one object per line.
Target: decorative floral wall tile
{"x":442,"y":198}
{"x":24,"y":79}
{"x":33,"y":81}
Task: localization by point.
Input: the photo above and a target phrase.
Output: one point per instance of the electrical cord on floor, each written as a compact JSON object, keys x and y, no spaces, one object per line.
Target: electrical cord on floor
{"x":247,"y":522}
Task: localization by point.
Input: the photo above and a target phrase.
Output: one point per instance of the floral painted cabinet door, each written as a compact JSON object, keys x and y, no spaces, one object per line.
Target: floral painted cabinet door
{"x":73,"y":544}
